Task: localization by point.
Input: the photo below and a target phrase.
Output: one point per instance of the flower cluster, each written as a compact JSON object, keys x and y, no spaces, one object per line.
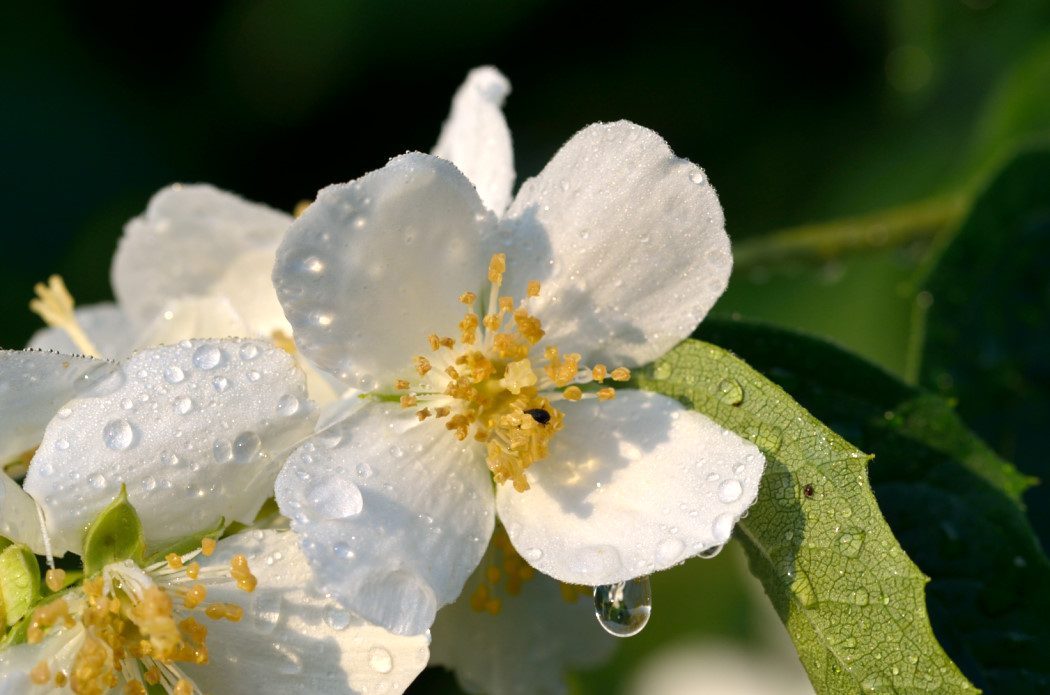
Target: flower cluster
{"x":433,"y":380}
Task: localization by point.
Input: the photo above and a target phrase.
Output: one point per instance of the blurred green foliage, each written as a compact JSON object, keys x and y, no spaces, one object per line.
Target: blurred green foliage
{"x":808,"y":113}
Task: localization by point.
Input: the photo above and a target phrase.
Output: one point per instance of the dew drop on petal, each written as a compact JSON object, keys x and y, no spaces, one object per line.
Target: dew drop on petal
{"x":249,"y":351}
{"x":174,"y":375}
{"x":118,"y":435}
{"x":336,"y":618}
{"x":708,"y":553}
{"x":334,"y":498}
{"x":222,"y":451}
{"x":220,"y":383}
{"x":669,"y":550}
{"x":623,"y":608}
{"x":64,"y":413}
{"x":96,"y":481}
{"x":380,"y":660}
{"x":149,"y":483}
{"x":730,"y":491}
{"x":265,"y":611}
{"x":254,"y":376}
{"x":207,"y":357}
{"x":697,"y":176}
{"x":182,"y":405}
{"x":246,"y":446}
{"x":722,"y":527}
{"x":62,"y":444}
{"x":288,"y":405}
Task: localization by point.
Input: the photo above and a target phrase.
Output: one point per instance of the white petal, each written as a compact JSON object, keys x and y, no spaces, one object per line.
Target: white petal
{"x":638,"y":242}
{"x":632,"y":485}
{"x":375,"y":265}
{"x":196,"y":431}
{"x":394,"y":514}
{"x":294,"y":640}
{"x":476,"y":139}
{"x":105,"y":325}
{"x":18,"y":517}
{"x":184,"y":244}
{"x":34,"y":386}
{"x":60,"y":646}
{"x":527,"y":647}
{"x":193,"y":317}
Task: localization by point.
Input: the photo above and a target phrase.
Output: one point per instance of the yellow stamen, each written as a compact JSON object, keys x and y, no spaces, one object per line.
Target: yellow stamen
{"x":54,"y":305}
{"x":467,"y":298}
{"x":401,"y":385}
{"x":497,"y":266}
{"x":408,"y":401}
{"x":434,"y":344}
{"x":621,"y":374}
{"x":533,"y":289}
{"x":193,"y":570}
{"x":40,"y":673}
{"x":174,"y":561}
{"x":598,"y":373}
{"x":422,"y":365}
{"x":573,"y":393}
{"x":194,"y":596}
{"x":207,"y":546}
{"x":606,"y":394}
{"x":423,"y":414}
{"x":54,"y":579}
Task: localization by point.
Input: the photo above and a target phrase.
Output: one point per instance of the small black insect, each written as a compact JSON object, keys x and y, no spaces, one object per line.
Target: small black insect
{"x":540,"y":415}
{"x":808,"y":491}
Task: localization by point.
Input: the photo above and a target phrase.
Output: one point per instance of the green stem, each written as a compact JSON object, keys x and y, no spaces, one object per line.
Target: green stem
{"x":819,"y":242}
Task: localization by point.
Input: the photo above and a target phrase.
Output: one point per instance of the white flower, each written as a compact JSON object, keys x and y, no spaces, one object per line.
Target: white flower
{"x":196,"y":431}
{"x":238,"y":622}
{"x":617,"y":249}
{"x":196,"y":264}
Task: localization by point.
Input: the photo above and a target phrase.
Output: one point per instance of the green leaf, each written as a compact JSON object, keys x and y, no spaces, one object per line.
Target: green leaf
{"x":951,"y":502}
{"x":985,"y":304}
{"x":851,"y":599}
{"x":19,"y":583}
{"x":115,"y":535}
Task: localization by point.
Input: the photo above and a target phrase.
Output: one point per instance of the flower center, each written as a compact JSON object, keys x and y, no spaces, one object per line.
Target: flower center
{"x":498,"y":384}
{"x":138,"y":624}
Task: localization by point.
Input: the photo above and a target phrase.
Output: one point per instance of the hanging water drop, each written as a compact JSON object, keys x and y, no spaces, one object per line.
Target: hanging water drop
{"x":623,"y":608}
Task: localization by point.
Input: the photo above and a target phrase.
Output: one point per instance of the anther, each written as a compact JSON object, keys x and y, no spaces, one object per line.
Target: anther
{"x":408,"y":401}
{"x":533,"y":289}
{"x":573,"y":393}
{"x":54,"y":579}
{"x":401,"y":385}
{"x":434,"y":343}
{"x":497,"y":266}
{"x":422,"y":365}
{"x":621,"y":374}
{"x":174,"y":561}
{"x":606,"y":394}
{"x":467,"y":298}
{"x":423,"y":414}
{"x":40,"y":673}
{"x":207,"y":546}
{"x":599,"y":372}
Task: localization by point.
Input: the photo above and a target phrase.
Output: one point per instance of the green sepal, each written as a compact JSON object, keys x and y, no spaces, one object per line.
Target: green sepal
{"x":4,"y":543}
{"x":115,"y":535}
{"x":19,"y":582}
{"x":185,"y":545}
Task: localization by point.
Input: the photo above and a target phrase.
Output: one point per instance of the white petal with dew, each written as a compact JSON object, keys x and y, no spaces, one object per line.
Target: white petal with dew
{"x":249,"y":287}
{"x":34,"y":386}
{"x":376,"y":264}
{"x":476,"y":139}
{"x":184,"y":244}
{"x":638,"y":242}
{"x":104,"y":324}
{"x":394,"y":514}
{"x":196,"y":431}
{"x":632,"y":486}
{"x":527,"y":648}
{"x":292,"y":639}
{"x":18,"y":517}
{"x":16,"y":661}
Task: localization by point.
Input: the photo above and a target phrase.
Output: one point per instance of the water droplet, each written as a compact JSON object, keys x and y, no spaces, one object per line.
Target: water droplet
{"x":336,"y":618}
{"x":662,"y":371}
{"x":249,"y":351}
{"x":533,"y":555}
{"x":708,"y":553}
{"x":64,"y":413}
{"x":174,"y":375}
{"x":266,"y":610}
{"x":697,"y":176}
{"x":333,"y":497}
{"x":290,"y":663}
{"x":343,"y":550}
{"x":127,"y":404}
{"x":246,"y":446}
{"x":730,"y":491}
{"x":288,"y":405}
{"x":221,"y":451}
{"x":623,"y":608}
{"x":644,"y":237}
{"x":380,"y":660}
{"x":669,"y":550}
{"x":149,"y":483}
{"x":364,"y":470}
{"x":169,"y":459}
{"x":62,"y":444}
{"x":96,"y":481}
{"x":207,"y":357}
{"x":849,"y":542}
{"x":722,"y":527}
{"x":859,"y":597}
{"x":730,"y":392}
{"x":220,"y":383}
{"x":182,"y":405}
{"x":254,"y":376}
{"x":118,"y":435}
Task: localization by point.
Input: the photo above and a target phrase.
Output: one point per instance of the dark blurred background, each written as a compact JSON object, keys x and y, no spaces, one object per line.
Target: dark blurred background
{"x":800,"y":112}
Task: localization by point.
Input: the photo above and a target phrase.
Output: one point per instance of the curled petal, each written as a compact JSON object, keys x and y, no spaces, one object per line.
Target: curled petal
{"x":632,"y":486}
{"x":476,"y":139}
{"x":393,"y":514}
{"x":196,"y":431}
{"x":637,"y":239}
{"x":18,"y":518}
{"x":375,"y":265}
